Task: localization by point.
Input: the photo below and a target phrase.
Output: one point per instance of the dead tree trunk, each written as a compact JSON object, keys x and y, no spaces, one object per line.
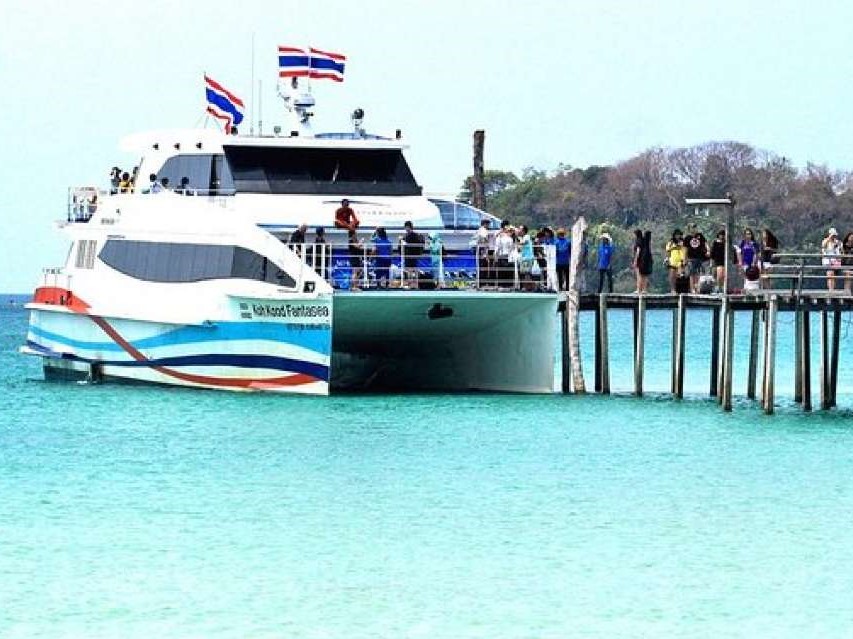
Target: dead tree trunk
{"x":479,"y":194}
{"x":573,"y":304}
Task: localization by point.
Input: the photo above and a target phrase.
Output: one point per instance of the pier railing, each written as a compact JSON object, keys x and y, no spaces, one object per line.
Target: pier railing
{"x":361,"y":266}
{"x":809,"y":271}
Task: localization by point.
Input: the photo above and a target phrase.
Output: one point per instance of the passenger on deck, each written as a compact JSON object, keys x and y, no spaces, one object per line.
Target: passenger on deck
{"x":436,"y":258}
{"x":411,"y":248}
{"x":504,"y":246}
{"x":185,"y":189}
{"x":320,"y":252}
{"x":297,"y":238}
{"x":345,"y":217}
{"x":483,"y":245}
{"x":125,"y":185}
{"x":115,"y":179}
{"x":382,"y":253}
{"x":355,"y":248}
{"x":164,"y":184}
{"x":153,"y":184}
{"x":525,"y":264}
{"x":92,"y":207}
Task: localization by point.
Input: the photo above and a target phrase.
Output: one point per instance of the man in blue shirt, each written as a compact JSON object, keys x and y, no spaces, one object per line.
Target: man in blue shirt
{"x":563,"y":246}
{"x":605,"y":256}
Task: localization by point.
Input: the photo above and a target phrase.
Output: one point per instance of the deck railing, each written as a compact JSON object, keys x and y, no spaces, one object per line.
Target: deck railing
{"x":359,"y":267}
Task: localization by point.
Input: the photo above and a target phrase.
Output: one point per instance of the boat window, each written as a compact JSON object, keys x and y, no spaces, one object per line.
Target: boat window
{"x":175,"y":262}
{"x":320,"y":171}
{"x":208,"y":173}
{"x":458,"y":215}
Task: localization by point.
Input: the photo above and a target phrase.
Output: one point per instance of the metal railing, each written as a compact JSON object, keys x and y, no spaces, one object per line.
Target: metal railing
{"x":360,"y":266}
{"x":833,"y":273}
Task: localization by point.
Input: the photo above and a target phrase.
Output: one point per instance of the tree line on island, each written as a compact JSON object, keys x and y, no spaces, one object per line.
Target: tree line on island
{"x":648,"y":191}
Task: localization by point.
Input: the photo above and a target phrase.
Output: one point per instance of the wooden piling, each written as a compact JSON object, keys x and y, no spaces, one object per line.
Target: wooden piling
{"x":836,"y":339}
{"x":723,"y":338}
{"x":752,"y":372}
{"x":769,"y":385}
{"x":479,"y":192}
{"x":639,"y":345}
{"x":798,"y":354}
{"x":825,"y":402}
{"x":806,"y":359}
{"x":715,"y":351}
{"x":598,"y":360}
{"x":604,"y":344}
{"x":728,"y":357}
{"x":564,"y":334}
{"x":678,"y":355}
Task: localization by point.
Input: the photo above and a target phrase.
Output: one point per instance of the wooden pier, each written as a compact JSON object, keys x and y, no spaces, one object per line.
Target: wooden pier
{"x":764,"y":309}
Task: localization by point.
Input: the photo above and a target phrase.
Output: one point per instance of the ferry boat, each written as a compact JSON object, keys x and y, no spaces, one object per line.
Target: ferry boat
{"x":197,"y":287}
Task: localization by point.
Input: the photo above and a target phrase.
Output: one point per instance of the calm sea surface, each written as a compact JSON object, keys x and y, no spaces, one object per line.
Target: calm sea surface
{"x":152,"y":512}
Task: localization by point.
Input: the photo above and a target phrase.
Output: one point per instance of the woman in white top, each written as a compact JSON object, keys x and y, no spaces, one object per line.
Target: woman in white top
{"x":830,"y":248}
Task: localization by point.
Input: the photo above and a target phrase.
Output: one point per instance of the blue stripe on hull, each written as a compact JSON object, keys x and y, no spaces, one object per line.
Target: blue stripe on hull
{"x":318,"y":341}
{"x":270,"y":362}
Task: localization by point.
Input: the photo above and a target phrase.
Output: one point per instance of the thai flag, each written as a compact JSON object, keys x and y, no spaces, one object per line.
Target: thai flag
{"x":295,"y":62}
{"x":222,"y":104}
{"x":326,"y":65}
{"x":292,"y":62}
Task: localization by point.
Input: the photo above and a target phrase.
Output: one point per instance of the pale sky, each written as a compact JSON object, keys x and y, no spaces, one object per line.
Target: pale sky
{"x":573,"y":82}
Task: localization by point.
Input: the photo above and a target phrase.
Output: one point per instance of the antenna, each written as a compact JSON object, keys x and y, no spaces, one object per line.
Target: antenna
{"x":252,"y":112}
{"x":260,"y":109}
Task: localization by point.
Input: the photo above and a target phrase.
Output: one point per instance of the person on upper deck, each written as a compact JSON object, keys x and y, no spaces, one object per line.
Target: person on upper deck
{"x":297,"y":238}
{"x":345,"y":217}
{"x":115,"y":179}
{"x":153,"y":184}
{"x":125,"y":185}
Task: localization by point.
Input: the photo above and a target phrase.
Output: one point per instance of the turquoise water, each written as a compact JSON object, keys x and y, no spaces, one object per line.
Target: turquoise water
{"x":152,"y":512}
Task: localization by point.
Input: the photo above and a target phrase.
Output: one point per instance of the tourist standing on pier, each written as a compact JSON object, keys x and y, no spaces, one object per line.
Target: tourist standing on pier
{"x":643,"y":259}
{"x":563,"y":247}
{"x":718,"y":260}
{"x":748,"y":252}
{"x":604,"y":257}
{"x":769,"y":248}
{"x":830,"y":248}
{"x":847,"y":260}
{"x":676,"y":256}
{"x":697,"y":254}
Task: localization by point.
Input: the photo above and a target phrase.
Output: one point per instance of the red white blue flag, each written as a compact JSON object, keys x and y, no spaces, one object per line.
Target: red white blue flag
{"x":295,"y":62}
{"x":222,"y":104}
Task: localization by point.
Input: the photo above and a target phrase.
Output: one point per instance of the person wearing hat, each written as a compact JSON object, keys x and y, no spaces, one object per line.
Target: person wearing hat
{"x":830,"y":248}
{"x":604,"y":257}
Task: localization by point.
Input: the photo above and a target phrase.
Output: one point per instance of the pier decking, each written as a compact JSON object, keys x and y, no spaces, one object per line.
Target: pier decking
{"x":764,"y":307}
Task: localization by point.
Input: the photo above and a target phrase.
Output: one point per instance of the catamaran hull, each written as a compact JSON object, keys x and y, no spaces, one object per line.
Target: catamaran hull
{"x":384,"y":340}
{"x":246,"y":355}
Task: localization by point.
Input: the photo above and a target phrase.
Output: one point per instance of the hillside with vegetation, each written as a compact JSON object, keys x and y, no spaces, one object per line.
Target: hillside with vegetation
{"x":648,"y":192}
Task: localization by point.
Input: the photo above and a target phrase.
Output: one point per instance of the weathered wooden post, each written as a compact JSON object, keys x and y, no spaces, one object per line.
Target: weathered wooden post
{"x":769,"y":386}
{"x":573,"y":306}
{"x":678,"y":356}
{"x":752,"y":372}
{"x":825,"y":402}
{"x":728,"y":357}
{"x":806,"y":359}
{"x":798,"y":352}
{"x":598,"y":361}
{"x":723,"y":337}
{"x":713,"y":390}
{"x":605,"y":344}
{"x":836,"y":338}
{"x":479,"y":194}
{"x":639,"y":344}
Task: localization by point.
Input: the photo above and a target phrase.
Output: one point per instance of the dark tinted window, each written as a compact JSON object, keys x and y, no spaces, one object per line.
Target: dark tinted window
{"x":458,"y":215}
{"x":322,"y":171}
{"x":207,"y":173}
{"x":172,"y":262}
